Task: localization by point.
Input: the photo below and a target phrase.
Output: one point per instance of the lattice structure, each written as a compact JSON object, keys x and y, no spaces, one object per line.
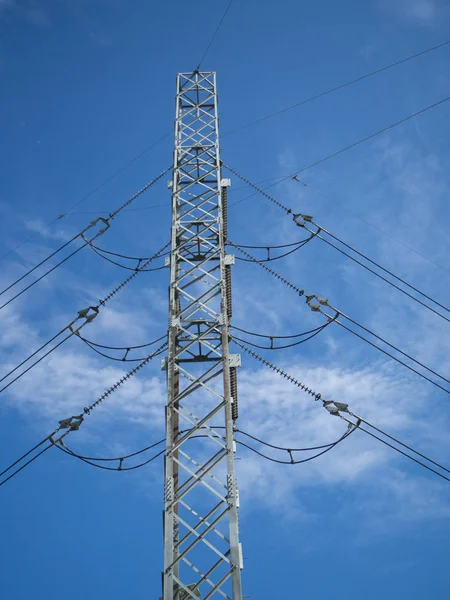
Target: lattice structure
{"x":202,"y":553}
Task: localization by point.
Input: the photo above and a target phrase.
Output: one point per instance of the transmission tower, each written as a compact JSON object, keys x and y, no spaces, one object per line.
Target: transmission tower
{"x":202,"y":552}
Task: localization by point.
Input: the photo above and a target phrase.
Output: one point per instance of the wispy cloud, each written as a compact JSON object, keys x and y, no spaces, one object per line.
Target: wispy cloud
{"x":421,"y":12}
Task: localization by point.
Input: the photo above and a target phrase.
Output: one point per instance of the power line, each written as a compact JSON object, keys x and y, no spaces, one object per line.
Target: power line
{"x":214,"y":34}
{"x":270,"y":258}
{"x":28,"y":287}
{"x":74,"y":423}
{"x":337,"y":88}
{"x":397,"y":441}
{"x":127,"y":268}
{"x":330,"y":156}
{"x":291,"y":345}
{"x":88,"y":314}
{"x":106,"y":222}
{"x":425,"y":466}
{"x":130,"y":347}
{"x":324,"y":302}
{"x":120,"y":459}
{"x":322,"y":229}
{"x":383,"y":269}
{"x":123,"y":359}
{"x":390,"y":236}
{"x":281,"y":372}
{"x":86,"y":196}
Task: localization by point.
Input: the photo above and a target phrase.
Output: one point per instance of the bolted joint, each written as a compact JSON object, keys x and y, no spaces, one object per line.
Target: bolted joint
{"x":100,"y":231}
{"x":301,"y":220}
{"x":71,"y":423}
{"x":88,"y":313}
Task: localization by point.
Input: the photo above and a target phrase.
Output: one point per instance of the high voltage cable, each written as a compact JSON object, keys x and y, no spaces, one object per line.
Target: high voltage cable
{"x":386,"y":353}
{"x":333,"y":154}
{"x":130,"y":347}
{"x":367,"y":138}
{"x":291,"y":345}
{"x":86,"y":314}
{"x":127,"y":268}
{"x":390,"y":236}
{"x":81,"y":235}
{"x":289,"y":450}
{"x":148,"y":148}
{"x":376,"y":336}
{"x":344,"y":408}
{"x":86,"y":196}
{"x":71,"y":255}
{"x":415,"y":289}
{"x":325,"y":231}
{"x":336,"y":320}
{"x":337,"y":88}
{"x":73,"y":423}
{"x":137,"y":258}
{"x":397,"y":441}
{"x":123,"y":359}
{"x":270,"y":258}
{"x":401,"y":451}
{"x":214,"y":35}
{"x":275,"y":337}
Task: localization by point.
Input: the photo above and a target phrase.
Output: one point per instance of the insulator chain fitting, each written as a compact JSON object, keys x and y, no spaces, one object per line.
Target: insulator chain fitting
{"x":71,"y":423}
{"x":301,"y":220}
{"x":87,"y":410}
{"x":132,"y":276}
{"x":290,"y":378}
{"x":269,"y":270}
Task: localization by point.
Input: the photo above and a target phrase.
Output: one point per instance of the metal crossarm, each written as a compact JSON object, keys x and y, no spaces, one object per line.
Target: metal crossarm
{"x":202,"y":553}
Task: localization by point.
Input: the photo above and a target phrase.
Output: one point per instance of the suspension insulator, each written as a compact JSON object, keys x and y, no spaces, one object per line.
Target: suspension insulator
{"x":224,"y":191}
{"x":234,"y":393}
{"x":228,"y":290}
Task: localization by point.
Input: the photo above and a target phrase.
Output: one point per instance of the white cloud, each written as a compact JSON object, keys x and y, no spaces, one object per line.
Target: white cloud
{"x":417,"y":11}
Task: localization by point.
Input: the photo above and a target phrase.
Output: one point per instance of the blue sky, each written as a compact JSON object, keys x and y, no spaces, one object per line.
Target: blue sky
{"x":88,"y":85}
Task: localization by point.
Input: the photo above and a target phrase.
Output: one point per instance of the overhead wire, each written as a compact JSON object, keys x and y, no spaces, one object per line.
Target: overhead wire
{"x":127,"y":268}
{"x":120,"y":459}
{"x":123,"y":359}
{"x":291,"y":345}
{"x":321,"y":229}
{"x":376,"y":227}
{"x":384,"y":341}
{"x":397,"y":441}
{"x":354,"y":425}
{"x":85,"y":313}
{"x":331,"y":155}
{"x":334,"y":318}
{"x":213,"y":37}
{"x":86,"y":196}
{"x":390,"y":273}
{"x":419,"y":462}
{"x":298,"y":246}
{"x":337,"y":88}
{"x":80,"y":235}
{"x":74,"y":423}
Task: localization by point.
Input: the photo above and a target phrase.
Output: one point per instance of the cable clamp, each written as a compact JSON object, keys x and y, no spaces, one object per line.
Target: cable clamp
{"x":73,"y":330}
{"x":119,"y":468}
{"x":292,"y":458}
{"x":71,"y":423}
{"x":84,"y":313}
{"x":301,"y":219}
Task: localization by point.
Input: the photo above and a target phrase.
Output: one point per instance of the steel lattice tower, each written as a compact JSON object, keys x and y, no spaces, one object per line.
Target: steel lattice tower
{"x":202,"y":553}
